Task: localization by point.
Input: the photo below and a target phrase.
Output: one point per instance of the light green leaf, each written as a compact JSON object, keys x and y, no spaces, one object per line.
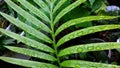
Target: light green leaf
{"x":91,"y":2}
{"x":42,"y":4}
{"x":27,"y":28}
{"x":28,"y":41}
{"x":54,"y":1}
{"x":48,"y":1}
{"x":86,"y":64}
{"x":59,"y":4}
{"x":27,"y":63}
{"x":86,"y":31}
{"x":81,"y":20}
{"x":32,"y":53}
{"x":68,"y":9}
{"x":89,"y":47}
{"x":34,"y":10}
{"x":27,"y":16}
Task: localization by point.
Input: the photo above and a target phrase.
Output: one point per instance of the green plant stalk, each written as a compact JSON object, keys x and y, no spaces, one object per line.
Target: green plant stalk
{"x":53,"y":33}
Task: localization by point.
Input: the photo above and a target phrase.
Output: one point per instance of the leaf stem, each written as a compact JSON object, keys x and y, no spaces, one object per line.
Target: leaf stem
{"x":53,"y":33}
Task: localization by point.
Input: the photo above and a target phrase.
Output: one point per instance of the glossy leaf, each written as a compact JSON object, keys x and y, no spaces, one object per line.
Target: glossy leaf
{"x":85,"y":31}
{"x":86,"y":64}
{"x":42,"y":4}
{"x":27,"y":63}
{"x":67,"y":9}
{"x":59,"y":4}
{"x":34,"y":10}
{"x":81,"y":20}
{"x":32,"y":53}
{"x":89,"y":47}
{"x":27,"y":16}
{"x":28,"y":41}
{"x":27,"y":28}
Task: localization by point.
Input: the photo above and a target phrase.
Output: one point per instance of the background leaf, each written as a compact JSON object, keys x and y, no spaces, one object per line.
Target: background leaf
{"x":91,"y":2}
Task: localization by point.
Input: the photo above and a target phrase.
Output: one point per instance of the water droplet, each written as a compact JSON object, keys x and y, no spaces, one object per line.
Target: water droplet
{"x":91,"y":30}
{"x":93,"y":67}
{"x":66,"y":39}
{"x":77,"y":66}
{"x":80,"y":33}
{"x":79,"y":49}
{"x":71,"y":37}
{"x":65,"y":26}
{"x":90,"y":48}
{"x":42,"y":5}
{"x":72,"y":23}
{"x":98,"y":48}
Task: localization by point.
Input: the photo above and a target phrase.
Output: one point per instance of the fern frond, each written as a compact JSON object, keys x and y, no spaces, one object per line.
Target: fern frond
{"x":81,"y":20}
{"x":27,"y":16}
{"x":27,"y":28}
{"x":27,"y":63}
{"x":68,"y":9}
{"x":46,"y":10}
{"x":89,"y":47}
{"x":32,"y":53}
{"x":27,"y":41}
{"x":59,"y":4}
{"x":86,"y":64}
{"x":43,"y":5}
{"x":34,"y":10}
{"x":85,"y":31}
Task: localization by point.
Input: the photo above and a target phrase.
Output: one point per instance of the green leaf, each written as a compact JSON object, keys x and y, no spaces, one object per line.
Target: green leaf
{"x":34,"y":10}
{"x":27,"y":16}
{"x":28,"y":41}
{"x":59,"y":4}
{"x":42,"y":4}
{"x":97,"y":5}
{"x":91,"y":2}
{"x":48,"y":1}
{"x":81,"y":20}
{"x":32,"y":53}
{"x":67,"y":9}
{"x":27,"y":28}
{"x":86,"y":64}
{"x":27,"y":63}
{"x":54,"y":1}
{"x":85,"y":31}
{"x":89,"y":47}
